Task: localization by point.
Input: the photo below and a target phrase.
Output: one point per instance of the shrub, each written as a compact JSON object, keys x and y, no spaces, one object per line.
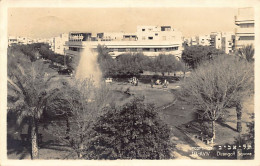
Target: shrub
{"x":133,"y":131}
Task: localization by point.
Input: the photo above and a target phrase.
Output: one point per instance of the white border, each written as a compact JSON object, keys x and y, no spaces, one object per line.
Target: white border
{"x":114,"y":4}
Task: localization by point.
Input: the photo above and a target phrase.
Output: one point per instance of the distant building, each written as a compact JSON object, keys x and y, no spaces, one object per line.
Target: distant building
{"x":19,"y":40}
{"x":224,"y":41}
{"x":194,"y":41}
{"x":228,"y":42}
{"x":150,"y":40}
{"x":245,"y":31}
{"x":215,"y":39}
{"x":59,"y":44}
{"x":12,"y":40}
{"x":203,"y":40}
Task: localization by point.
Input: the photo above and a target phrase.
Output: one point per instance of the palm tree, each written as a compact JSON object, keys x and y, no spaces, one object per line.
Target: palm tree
{"x":28,"y":87}
{"x":247,"y":52}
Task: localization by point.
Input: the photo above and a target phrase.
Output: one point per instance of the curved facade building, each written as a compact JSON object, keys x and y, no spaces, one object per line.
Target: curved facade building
{"x":150,"y":40}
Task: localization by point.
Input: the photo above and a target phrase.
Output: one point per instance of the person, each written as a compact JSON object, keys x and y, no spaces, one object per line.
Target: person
{"x":158,"y":82}
{"x":151,"y":83}
{"x":165,"y":84}
{"x":136,"y":82}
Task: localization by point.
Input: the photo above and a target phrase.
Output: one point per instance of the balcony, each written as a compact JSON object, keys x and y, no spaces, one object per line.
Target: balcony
{"x":244,"y":31}
{"x":244,"y":19}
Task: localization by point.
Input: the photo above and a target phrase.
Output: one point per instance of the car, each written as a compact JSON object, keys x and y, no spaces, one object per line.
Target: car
{"x":65,"y":71}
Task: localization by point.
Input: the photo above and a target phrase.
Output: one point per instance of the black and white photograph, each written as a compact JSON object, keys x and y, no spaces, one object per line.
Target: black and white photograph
{"x":125,"y":81}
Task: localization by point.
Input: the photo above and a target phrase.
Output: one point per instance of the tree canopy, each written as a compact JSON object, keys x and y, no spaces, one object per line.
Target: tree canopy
{"x":133,"y":131}
{"x":195,"y":55}
{"x":218,"y":84}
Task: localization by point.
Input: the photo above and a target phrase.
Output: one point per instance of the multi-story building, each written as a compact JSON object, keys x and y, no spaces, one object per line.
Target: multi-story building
{"x":203,"y":40}
{"x":228,"y":42}
{"x":215,"y":39}
{"x":245,"y":31}
{"x":150,"y":40}
{"x":223,"y":41}
{"x":59,"y":44}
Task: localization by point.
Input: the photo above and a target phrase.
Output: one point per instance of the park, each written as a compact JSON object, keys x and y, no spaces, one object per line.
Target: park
{"x":131,"y":107}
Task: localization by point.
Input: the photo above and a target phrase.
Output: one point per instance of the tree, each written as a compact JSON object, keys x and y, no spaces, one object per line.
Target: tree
{"x":247,"y":52}
{"x":182,"y":66}
{"x":133,"y":131}
{"x":218,"y":84}
{"x":194,"y":55}
{"x":130,"y":64}
{"x":166,"y":63}
{"x":106,"y":62}
{"x":28,"y":91}
{"x":83,"y":104}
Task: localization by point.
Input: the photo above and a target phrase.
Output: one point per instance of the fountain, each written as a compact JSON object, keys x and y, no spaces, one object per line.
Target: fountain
{"x":88,"y":66}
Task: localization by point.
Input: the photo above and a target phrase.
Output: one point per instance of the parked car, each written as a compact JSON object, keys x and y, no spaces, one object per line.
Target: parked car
{"x":65,"y":71}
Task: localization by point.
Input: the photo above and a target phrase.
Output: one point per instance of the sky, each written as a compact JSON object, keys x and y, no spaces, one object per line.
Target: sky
{"x":50,"y":22}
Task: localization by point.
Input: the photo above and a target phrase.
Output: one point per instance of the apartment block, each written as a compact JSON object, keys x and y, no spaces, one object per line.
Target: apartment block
{"x":244,"y":32}
{"x":59,"y":43}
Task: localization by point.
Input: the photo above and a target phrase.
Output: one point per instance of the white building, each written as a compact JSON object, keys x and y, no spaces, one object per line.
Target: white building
{"x":193,"y":41}
{"x":215,"y":40}
{"x":150,"y":40}
{"x":203,"y":40}
{"x":59,"y":44}
{"x":228,"y":42}
{"x":245,"y":34}
{"x":12,"y":40}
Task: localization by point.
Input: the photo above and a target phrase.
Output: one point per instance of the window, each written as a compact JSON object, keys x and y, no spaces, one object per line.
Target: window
{"x":121,"y":50}
{"x":146,"y":49}
{"x":143,"y":29}
{"x":150,"y":38}
{"x":133,"y":49}
{"x":156,"y":34}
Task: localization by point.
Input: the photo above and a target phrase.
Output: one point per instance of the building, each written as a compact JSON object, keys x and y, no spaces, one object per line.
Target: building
{"x":12,"y":40}
{"x":228,"y":42}
{"x":193,"y":41}
{"x":224,"y":41}
{"x":150,"y":40}
{"x":59,"y":44}
{"x":245,"y":31}
{"x":215,"y":40}
{"x":203,"y":40}
{"x":19,"y":40}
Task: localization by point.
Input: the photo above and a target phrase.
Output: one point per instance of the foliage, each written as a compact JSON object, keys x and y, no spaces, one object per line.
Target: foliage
{"x":28,"y":91}
{"x":195,"y":55}
{"x":78,"y":105}
{"x":249,"y":137}
{"x":133,"y":64}
{"x":133,"y":131}
{"x":247,"y":52}
{"x":166,"y":63}
{"x":106,"y":63}
{"x":218,"y":84}
{"x":40,"y":50}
